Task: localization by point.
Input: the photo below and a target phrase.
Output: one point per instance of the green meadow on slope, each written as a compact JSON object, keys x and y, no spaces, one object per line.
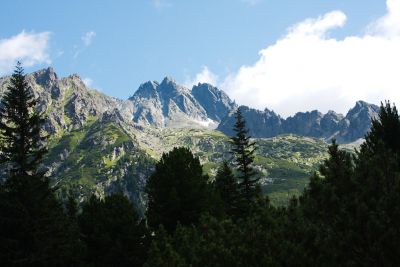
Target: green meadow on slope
{"x":105,"y":156}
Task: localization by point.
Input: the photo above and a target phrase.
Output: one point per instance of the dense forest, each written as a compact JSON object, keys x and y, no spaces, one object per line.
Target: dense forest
{"x":348,"y":215}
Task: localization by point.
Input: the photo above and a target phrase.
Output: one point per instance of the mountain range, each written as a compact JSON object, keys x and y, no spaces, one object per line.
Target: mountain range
{"x":99,"y":144}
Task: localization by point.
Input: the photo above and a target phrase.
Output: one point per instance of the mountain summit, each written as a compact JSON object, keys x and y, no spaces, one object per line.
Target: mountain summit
{"x":68,"y":103}
{"x":168,"y":104}
{"x":349,"y":128}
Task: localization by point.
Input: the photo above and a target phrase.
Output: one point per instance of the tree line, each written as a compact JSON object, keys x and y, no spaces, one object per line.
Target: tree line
{"x":347,"y":216}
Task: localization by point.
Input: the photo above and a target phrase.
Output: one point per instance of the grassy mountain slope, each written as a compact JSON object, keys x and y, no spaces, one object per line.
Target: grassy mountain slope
{"x":99,"y":158}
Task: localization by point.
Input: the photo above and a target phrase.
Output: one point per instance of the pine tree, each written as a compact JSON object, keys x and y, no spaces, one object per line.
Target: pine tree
{"x":243,"y":151}
{"x":226,"y":186}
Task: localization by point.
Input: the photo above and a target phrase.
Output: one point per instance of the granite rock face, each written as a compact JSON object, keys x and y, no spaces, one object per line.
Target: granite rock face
{"x":168,"y":104}
{"x":261,"y":124}
{"x":215,"y":102}
{"x":346,"y":129}
{"x":357,"y":122}
{"x":69,"y":104}
{"x":66,"y":103}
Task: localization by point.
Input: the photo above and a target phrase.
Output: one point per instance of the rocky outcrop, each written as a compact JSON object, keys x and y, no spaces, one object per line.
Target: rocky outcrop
{"x":263,"y":124}
{"x":66,"y":103}
{"x":305,"y":124}
{"x":215,"y":102}
{"x":357,"y":122}
{"x":168,"y":104}
{"x":260,"y":123}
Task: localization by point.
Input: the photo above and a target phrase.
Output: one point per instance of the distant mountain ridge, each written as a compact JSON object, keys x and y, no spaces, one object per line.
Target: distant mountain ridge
{"x":170,"y":105}
{"x":345,"y":129}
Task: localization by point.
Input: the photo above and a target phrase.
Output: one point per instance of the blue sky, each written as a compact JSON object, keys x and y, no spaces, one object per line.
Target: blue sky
{"x":117,"y":45}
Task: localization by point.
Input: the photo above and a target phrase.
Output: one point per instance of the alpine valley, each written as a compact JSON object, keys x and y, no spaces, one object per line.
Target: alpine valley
{"x":100,"y":144}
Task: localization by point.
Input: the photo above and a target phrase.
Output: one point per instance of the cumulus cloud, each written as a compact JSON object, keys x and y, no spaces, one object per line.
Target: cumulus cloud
{"x":307,"y":69}
{"x":87,"y":38}
{"x":204,"y":76}
{"x":30,"y":48}
{"x":389,"y":25}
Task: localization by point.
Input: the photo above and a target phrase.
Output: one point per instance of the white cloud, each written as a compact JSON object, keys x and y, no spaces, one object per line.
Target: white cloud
{"x":88,"y":81}
{"x":29,"y":48}
{"x":389,"y":25}
{"x":204,"y":76}
{"x":87,"y":38}
{"x":307,"y":69}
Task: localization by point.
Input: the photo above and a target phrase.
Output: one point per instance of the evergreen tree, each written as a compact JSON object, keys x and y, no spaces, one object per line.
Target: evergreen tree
{"x":113,"y":232}
{"x":351,"y":213}
{"x":177,"y":190}
{"x":21,"y":143}
{"x":162,"y":252}
{"x":243,"y":151}
{"x":33,"y":227}
{"x":226,"y":187}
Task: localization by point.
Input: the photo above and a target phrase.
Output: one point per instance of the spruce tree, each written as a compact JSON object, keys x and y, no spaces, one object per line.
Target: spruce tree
{"x":227,"y":188}
{"x":21,"y":143}
{"x":32,"y":224}
{"x":178,"y":191}
{"x":113,"y":232}
{"x":243,"y":151}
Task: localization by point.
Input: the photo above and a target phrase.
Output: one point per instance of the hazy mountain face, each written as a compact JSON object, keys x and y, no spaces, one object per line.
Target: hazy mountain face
{"x":345,"y":129}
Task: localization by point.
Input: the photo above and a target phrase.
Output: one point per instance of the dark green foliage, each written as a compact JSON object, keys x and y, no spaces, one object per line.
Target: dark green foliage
{"x":255,"y":241}
{"x":71,"y":208}
{"x":20,"y":124}
{"x":348,"y":216}
{"x":112,"y":232}
{"x":33,"y":228}
{"x":227,"y":188}
{"x":243,"y":152}
{"x":177,"y":190}
{"x":162,"y":252}
{"x":353,"y":212}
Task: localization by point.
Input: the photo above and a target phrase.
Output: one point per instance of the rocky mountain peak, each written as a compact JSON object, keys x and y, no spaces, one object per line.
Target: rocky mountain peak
{"x":168,"y":80}
{"x":170,"y":88}
{"x":147,"y":90}
{"x":361,"y":103}
{"x":45,"y":76}
{"x":363,"y":108}
{"x":74,"y":79}
{"x":216,"y":102}
{"x":206,"y":88}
